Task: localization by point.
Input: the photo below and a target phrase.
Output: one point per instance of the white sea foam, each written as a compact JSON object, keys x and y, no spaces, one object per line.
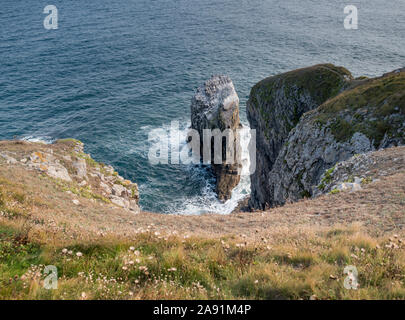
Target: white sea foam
{"x":40,"y":139}
{"x":207,"y":201}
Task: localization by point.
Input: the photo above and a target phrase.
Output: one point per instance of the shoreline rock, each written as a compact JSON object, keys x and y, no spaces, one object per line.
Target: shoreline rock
{"x":76,"y":172}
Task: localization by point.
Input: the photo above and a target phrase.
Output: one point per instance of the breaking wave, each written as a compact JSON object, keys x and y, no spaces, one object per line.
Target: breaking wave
{"x":205,"y":200}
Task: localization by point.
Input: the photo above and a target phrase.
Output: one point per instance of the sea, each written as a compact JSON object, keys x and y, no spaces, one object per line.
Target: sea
{"x":116,"y":70}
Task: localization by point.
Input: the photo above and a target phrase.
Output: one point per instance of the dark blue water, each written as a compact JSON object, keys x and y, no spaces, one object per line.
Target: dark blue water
{"x":114,"y":70}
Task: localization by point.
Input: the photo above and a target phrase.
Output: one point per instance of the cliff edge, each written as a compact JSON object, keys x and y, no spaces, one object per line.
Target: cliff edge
{"x":73,"y":171}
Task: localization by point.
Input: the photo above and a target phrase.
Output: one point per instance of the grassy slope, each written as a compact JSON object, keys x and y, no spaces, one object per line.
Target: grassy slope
{"x":293,"y":252}
{"x":375,"y":107}
{"x":202,"y":268}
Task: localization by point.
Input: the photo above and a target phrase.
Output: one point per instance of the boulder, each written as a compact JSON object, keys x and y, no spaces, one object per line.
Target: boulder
{"x":105,"y":187}
{"x":8,"y":158}
{"x":121,"y":202}
{"x":83,"y":183}
{"x":119,"y":190}
{"x":48,"y":163}
{"x":57,"y":171}
{"x":81,"y":167}
{"x":133,"y":206}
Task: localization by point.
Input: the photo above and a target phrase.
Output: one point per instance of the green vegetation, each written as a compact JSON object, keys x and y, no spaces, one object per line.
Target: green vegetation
{"x":327,"y":178}
{"x":69,"y":140}
{"x":84,"y":192}
{"x":196,"y":268}
{"x":306,"y":194}
{"x":350,"y":179}
{"x":14,"y":196}
{"x":317,"y":83}
{"x":342,"y":130}
{"x":368,"y":105}
{"x":321,"y":82}
{"x":89,"y":160}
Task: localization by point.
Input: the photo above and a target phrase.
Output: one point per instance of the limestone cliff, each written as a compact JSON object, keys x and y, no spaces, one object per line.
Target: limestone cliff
{"x":360,"y":170}
{"x":275,"y":106}
{"x":216,"y":106}
{"x":368,"y":117}
{"x":369,"y":114}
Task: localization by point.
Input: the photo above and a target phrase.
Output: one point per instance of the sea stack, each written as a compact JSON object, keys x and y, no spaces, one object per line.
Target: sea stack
{"x":216,"y":106}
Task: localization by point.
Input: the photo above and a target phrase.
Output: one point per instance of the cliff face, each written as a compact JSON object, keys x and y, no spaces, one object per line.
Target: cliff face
{"x":276,"y":105}
{"x":216,"y":106}
{"x":368,"y":115}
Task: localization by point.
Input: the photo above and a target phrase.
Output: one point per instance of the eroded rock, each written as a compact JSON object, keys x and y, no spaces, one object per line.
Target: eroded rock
{"x":368,"y":115}
{"x":9,"y":159}
{"x":66,"y":161}
{"x":81,"y":168}
{"x":360,"y":170}
{"x":216,"y":106}
{"x":119,"y":190}
{"x":49,"y":164}
{"x":275,"y":107}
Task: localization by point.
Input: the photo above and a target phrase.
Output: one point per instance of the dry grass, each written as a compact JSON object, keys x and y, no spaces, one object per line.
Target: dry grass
{"x":197,"y":268}
{"x":297,"y":251}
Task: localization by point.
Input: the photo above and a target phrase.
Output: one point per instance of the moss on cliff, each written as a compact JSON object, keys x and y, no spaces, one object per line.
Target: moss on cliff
{"x":327,"y":178}
{"x":375,"y":108}
{"x":69,"y":140}
{"x":382,"y":93}
{"x":320,"y":81}
{"x":285,"y":97}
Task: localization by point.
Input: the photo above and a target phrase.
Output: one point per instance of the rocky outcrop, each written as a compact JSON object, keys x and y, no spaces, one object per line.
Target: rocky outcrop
{"x":275,"y":107}
{"x":75,"y":172}
{"x":368,"y":115}
{"x":216,"y":106}
{"x":361,"y":169}
{"x":8,"y":158}
{"x":48,"y":163}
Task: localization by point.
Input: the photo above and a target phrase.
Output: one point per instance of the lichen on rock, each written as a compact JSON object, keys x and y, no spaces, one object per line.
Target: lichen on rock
{"x":74,"y":171}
